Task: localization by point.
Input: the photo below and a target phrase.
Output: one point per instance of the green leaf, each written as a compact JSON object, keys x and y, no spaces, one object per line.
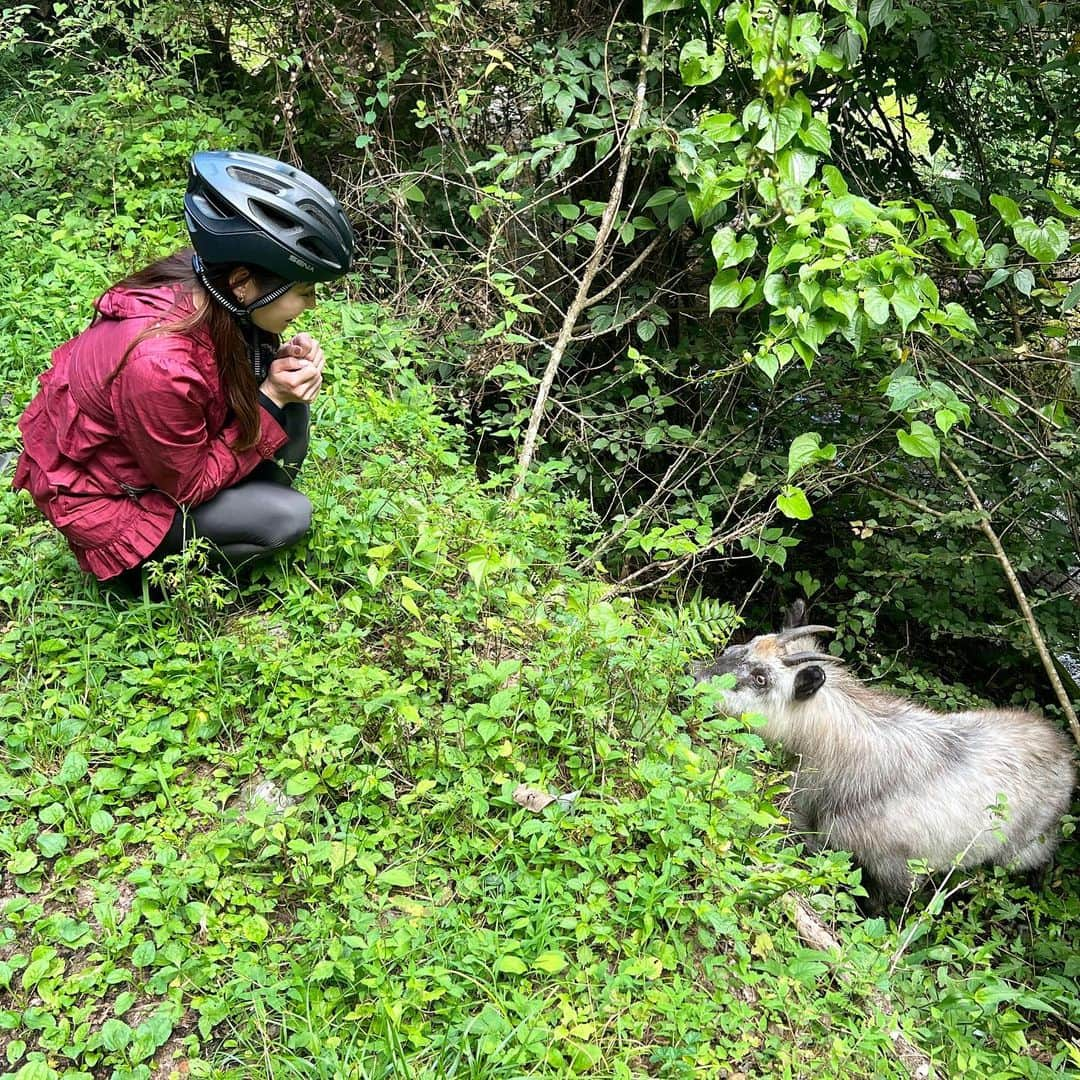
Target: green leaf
{"x":481,"y":561}
{"x":511,"y":965}
{"x":101,"y":822}
{"x":737,"y":24}
{"x":397,"y":877}
{"x":1024,"y":280}
{"x":834,"y":181}
{"x":920,"y":442}
{"x":792,"y":502}
{"x":662,"y":198}
{"x":40,"y":966}
{"x":75,"y":767}
{"x":876,"y":305}
{"x":551,"y":962}
{"x":902,"y":391}
{"x":562,"y":160}
{"x":143,"y":954}
{"x":36,"y":1070}
{"x":1066,"y":209}
{"x":957,"y":318}
{"x":815,"y":136}
{"x":115,"y":1034}
{"x":124,"y":1002}
{"x":721,"y":127}
{"x":678,"y":212}
{"x":158,"y":1027}
{"x":805,"y":351}
{"x":1006,"y":208}
{"x":768,"y":363}
{"x":728,"y":290}
{"x":50,"y":844}
{"x":781,"y":127}
{"x":995,"y":279}
{"x":301,"y":783}
{"x":1072,"y":299}
{"x":906,"y":302}
{"x":806,"y":449}
{"x":730,"y":252}
{"x":1046,"y":243}
{"x":945,"y":419}
{"x":699,"y":66}
{"x":22,"y":862}
{"x":879,"y":12}
{"x":797,"y":167}
{"x":585,"y":1057}
{"x":966,"y":223}
{"x":255,"y":929}
{"x":807,"y":582}
{"x":657,"y":7}
{"x":843,"y":301}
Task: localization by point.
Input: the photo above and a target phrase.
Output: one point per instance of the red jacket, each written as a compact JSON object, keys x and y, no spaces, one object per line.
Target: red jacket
{"x":91,"y":449}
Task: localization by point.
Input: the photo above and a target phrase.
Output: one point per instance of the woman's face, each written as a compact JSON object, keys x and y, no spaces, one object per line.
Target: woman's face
{"x":277,"y":315}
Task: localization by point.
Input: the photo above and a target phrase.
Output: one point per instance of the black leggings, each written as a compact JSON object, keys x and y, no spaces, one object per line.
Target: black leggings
{"x":256,"y":517}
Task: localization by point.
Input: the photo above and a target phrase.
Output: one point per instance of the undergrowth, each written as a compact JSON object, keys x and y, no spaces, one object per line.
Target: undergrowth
{"x":397,"y":912}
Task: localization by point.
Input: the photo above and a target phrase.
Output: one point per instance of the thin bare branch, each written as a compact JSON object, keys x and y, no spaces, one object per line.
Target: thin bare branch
{"x":1021,"y":599}
{"x":607,"y":223}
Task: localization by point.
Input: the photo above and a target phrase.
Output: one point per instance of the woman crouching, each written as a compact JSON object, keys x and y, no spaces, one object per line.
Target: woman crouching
{"x":180,"y":412}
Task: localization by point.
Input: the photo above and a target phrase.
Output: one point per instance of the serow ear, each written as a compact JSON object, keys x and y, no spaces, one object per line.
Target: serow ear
{"x":808,"y":681}
{"x":796,"y":614}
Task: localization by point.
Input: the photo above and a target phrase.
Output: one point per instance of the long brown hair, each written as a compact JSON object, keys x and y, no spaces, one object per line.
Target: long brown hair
{"x":230,"y":350}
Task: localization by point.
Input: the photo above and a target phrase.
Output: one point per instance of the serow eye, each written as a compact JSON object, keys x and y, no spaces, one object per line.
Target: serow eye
{"x":759,"y":680}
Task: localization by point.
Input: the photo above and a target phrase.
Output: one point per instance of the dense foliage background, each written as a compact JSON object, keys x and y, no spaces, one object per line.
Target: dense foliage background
{"x":664,"y":315}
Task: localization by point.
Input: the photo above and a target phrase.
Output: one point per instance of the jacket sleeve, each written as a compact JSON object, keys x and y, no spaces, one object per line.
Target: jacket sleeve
{"x":163,"y":400}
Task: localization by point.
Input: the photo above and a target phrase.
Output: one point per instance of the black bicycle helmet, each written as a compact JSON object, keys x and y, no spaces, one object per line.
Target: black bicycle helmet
{"x":244,"y":208}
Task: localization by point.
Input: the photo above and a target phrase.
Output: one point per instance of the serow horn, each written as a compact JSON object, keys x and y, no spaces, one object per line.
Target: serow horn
{"x":805,"y":657}
{"x":793,"y":632}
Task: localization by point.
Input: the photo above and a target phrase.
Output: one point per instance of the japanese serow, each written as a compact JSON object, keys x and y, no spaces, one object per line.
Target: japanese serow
{"x":890,"y":781}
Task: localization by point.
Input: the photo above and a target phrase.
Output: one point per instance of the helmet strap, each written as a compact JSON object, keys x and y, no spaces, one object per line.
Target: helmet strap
{"x":242,"y":314}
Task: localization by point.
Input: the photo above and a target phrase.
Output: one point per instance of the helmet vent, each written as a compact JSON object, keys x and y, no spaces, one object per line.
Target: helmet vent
{"x":321,"y":217}
{"x":273,"y":217}
{"x":309,"y":243}
{"x":216,"y":206}
{"x":246,"y":176}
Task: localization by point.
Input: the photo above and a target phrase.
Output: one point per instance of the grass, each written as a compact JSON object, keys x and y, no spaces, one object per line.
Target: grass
{"x":397,"y":677}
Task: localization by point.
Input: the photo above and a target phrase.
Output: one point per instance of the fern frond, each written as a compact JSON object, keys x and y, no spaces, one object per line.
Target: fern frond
{"x":703,"y":624}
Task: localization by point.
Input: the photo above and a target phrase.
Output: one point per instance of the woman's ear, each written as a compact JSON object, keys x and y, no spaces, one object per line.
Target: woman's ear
{"x":237,"y":280}
{"x":808,"y":681}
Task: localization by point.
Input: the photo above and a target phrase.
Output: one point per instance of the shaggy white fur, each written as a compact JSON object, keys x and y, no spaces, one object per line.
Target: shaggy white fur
{"x":890,"y":781}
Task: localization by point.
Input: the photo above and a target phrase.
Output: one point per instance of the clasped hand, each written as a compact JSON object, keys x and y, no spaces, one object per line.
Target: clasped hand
{"x":296,"y":373}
